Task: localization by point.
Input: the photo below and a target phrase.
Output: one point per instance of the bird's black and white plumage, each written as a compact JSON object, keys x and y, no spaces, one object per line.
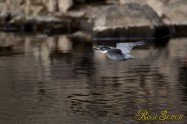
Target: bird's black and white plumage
{"x":121,"y":52}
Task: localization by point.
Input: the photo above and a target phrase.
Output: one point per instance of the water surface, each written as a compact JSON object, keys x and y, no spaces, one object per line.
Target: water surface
{"x":56,"y":80}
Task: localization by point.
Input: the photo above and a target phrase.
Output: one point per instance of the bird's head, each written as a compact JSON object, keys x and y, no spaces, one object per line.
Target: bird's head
{"x":102,"y":49}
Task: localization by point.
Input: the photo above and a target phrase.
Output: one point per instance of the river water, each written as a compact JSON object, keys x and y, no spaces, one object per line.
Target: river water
{"x":58,"y":80}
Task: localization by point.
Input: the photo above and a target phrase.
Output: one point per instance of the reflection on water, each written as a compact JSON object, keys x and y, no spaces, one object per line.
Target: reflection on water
{"x":56,"y":80}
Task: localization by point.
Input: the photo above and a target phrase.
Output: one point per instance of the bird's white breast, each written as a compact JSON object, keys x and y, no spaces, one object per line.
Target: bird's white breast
{"x":105,"y":51}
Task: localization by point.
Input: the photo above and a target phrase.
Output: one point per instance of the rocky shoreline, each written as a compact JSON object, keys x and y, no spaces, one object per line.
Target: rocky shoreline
{"x":114,"y":18}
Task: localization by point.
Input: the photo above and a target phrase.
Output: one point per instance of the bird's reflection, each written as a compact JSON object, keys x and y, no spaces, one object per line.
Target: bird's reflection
{"x":121,"y":51}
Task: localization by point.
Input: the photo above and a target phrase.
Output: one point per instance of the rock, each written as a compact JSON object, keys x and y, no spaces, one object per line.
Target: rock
{"x":76,"y":14}
{"x":3,"y":6}
{"x":64,"y":5}
{"x":15,"y":7}
{"x":52,"y":5}
{"x":37,"y":10}
{"x":175,"y":12}
{"x":3,"y":11}
{"x":157,"y":5}
{"x":44,"y":18}
{"x":59,"y":5}
{"x":81,"y":34}
{"x":97,"y":14}
{"x":127,"y":15}
{"x":172,"y":11}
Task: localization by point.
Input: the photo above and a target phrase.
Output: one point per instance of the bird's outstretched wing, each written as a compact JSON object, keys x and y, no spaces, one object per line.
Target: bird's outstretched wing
{"x":126,"y":47}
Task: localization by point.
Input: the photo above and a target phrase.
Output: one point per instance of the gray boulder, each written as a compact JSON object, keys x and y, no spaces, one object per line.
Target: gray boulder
{"x":157,"y":5}
{"x":127,"y":15}
{"x":175,"y":12}
{"x":172,"y":11}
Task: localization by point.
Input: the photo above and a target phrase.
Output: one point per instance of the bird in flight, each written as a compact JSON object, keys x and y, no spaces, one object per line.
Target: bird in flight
{"x":121,"y":52}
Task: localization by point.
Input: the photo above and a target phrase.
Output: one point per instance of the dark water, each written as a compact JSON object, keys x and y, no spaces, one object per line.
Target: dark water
{"x":55,"y":80}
